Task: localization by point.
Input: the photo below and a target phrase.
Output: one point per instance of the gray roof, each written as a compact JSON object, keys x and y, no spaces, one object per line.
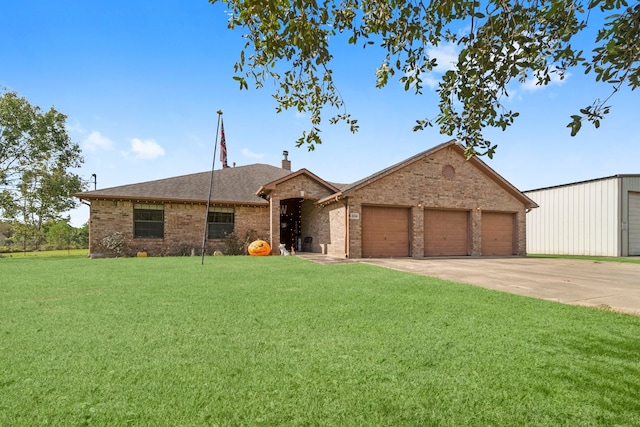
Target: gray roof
{"x":239,"y":185}
{"x":235,"y":185}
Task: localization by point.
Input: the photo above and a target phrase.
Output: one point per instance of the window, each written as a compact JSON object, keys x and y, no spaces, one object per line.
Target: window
{"x":148,"y":221}
{"x":220,"y":222}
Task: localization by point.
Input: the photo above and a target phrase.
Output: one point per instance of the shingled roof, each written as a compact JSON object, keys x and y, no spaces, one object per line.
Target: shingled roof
{"x":233,"y":185}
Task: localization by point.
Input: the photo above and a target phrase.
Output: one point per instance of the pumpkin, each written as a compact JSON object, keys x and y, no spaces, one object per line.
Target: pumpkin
{"x":259,"y":248}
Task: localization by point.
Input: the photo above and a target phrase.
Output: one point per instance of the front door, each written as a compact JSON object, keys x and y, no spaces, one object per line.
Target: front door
{"x":290,"y":222}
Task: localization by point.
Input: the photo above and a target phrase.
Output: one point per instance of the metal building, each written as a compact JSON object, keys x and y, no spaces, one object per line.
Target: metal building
{"x":599,"y":217}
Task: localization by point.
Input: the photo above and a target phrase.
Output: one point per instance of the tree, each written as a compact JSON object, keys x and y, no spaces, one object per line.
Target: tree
{"x":36,"y":155}
{"x":80,"y":236}
{"x":62,"y":235}
{"x":499,"y":42}
{"x":59,"y":234}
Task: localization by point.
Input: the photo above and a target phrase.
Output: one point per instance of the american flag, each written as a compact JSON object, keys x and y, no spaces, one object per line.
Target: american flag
{"x":223,"y":146}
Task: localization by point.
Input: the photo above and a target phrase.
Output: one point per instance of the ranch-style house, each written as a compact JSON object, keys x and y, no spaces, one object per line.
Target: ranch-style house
{"x":436,"y":203}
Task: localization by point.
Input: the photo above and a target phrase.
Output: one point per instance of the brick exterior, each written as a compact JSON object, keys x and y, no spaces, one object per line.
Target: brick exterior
{"x":339,"y":231}
{"x":421,"y":185}
{"x":437,"y":179}
{"x":315,"y":222}
{"x":183,"y":228}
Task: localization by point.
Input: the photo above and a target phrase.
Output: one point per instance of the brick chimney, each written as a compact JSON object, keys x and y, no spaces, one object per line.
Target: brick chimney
{"x":285,"y":163}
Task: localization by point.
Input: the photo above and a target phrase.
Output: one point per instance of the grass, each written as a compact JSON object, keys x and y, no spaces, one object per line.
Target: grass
{"x":56,"y":253}
{"x":629,"y":260}
{"x":282,"y":341}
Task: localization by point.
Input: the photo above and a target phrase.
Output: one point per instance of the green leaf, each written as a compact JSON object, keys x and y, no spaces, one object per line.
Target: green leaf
{"x":506,"y":43}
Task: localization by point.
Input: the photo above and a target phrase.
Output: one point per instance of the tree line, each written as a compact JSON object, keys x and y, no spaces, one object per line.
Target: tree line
{"x":54,"y":234}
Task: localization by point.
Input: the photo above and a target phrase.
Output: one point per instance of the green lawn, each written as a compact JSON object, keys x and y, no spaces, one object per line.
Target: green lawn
{"x":279,"y":341}
{"x":630,"y":260}
{"x":56,"y":253}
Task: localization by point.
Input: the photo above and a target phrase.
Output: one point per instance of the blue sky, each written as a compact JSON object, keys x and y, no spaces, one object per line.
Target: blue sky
{"x":141,"y":81}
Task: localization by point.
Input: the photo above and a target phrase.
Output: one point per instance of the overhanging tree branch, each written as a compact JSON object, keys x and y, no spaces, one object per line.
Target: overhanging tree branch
{"x":509,"y":41}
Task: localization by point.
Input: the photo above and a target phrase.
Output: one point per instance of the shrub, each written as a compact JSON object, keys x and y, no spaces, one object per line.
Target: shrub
{"x":180,"y":249}
{"x":115,"y":243}
{"x":233,"y":245}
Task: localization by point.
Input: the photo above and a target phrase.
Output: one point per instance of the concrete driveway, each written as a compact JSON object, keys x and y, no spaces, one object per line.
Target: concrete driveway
{"x":599,"y":284}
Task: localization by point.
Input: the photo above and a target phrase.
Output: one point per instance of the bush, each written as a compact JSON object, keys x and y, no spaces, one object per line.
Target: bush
{"x":180,"y":249}
{"x":233,"y":245}
{"x":115,"y":243}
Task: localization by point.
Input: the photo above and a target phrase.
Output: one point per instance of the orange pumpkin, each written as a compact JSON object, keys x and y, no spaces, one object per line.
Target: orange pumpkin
{"x":259,"y":248}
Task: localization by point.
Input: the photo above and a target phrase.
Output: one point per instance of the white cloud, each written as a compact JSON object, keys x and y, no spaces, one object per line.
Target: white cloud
{"x":76,"y":128}
{"x":248,"y":153}
{"x":431,"y":81}
{"x":147,"y":149}
{"x":96,"y":141}
{"x":532,"y":86}
{"x":446,"y":56}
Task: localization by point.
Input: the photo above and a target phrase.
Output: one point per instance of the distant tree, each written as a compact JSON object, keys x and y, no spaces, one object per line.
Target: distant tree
{"x":27,"y":236}
{"x":6,"y":230}
{"x":80,"y":236}
{"x":36,"y":156}
{"x":499,"y":42}
{"x":59,"y":234}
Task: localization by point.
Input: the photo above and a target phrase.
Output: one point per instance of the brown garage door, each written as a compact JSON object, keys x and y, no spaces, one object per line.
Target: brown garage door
{"x":385,"y":231}
{"x":446,"y":233}
{"x":497,"y":233}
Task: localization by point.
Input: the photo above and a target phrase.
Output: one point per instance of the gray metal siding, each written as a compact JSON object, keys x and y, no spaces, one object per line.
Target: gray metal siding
{"x":634,"y":223}
{"x":629,"y":215}
{"x":580,"y":219}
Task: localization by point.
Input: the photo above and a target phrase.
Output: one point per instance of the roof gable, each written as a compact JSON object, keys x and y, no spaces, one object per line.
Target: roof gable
{"x":452,"y":144}
{"x":268,"y":188}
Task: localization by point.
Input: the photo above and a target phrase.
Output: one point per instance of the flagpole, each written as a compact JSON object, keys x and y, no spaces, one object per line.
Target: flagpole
{"x":206,"y":214}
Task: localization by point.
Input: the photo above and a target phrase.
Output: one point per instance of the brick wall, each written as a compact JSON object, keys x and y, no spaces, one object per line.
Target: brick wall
{"x":314,"y":221}
{"x":183,"y":228}
{"x":422,"y":185}
{"x":338,"y":232}
{"x":316,"y":224}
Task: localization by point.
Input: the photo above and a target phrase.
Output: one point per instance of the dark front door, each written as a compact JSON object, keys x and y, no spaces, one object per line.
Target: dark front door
{"x":290,"y":215}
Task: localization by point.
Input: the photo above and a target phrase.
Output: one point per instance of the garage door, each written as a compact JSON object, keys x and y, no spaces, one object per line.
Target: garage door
{"x":385,"y":231}
{"x":497,"y":233}
{"x":634,"y":223}
{"x":446,"y":233}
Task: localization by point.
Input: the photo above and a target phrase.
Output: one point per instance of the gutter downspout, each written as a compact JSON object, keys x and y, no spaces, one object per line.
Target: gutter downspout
{"x":85,"y":202}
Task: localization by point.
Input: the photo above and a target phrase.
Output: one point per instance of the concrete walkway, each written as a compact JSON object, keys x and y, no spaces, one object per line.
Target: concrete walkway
{"x":599,"y":284}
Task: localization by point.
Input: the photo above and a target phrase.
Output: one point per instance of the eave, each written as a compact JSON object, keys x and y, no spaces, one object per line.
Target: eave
{"x":140,"y":199}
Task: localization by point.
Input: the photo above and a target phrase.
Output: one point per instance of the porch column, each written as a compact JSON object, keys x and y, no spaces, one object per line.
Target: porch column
{"x":274,"y":224}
